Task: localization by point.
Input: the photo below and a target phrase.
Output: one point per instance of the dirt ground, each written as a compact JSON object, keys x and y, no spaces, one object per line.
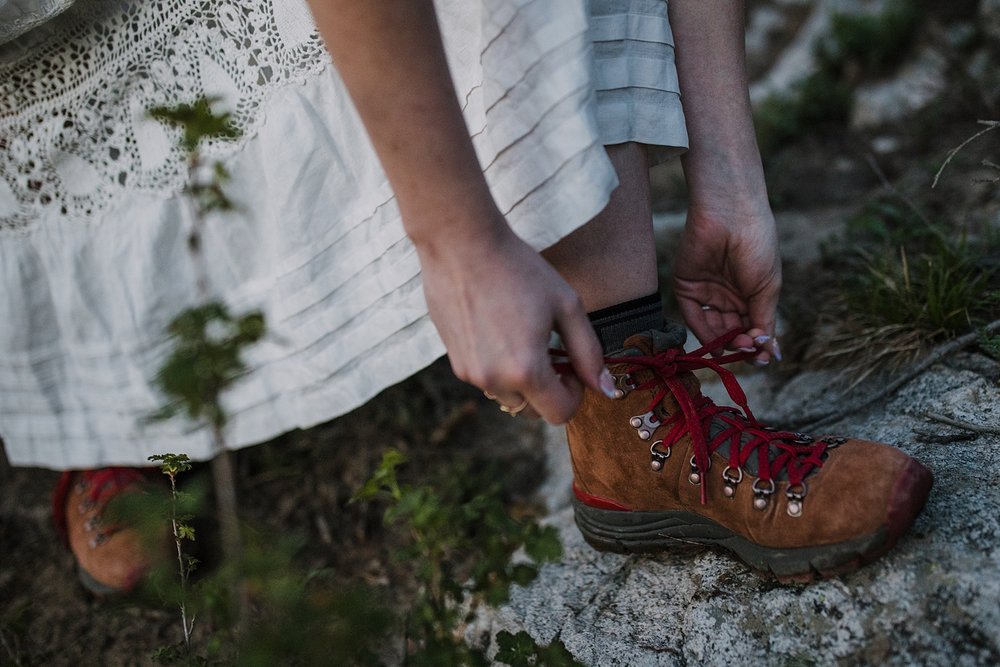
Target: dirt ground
{"x":298,"y":484}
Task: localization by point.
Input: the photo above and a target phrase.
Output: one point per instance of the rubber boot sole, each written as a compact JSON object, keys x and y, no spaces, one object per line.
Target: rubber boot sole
{"x":655,"y":532}
{"x":96,"y":588}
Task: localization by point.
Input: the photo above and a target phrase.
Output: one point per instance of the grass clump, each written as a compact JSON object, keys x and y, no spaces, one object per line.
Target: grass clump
{"x":936,"y":293}
{"x":903,"y":283}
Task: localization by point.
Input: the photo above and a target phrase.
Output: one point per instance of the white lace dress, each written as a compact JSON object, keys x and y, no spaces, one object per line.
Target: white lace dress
{"x":92,"y":229}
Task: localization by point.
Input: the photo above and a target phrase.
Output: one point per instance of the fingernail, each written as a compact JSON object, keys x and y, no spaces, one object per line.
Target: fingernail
{"x":760,"y":363}
{"x":776,"y":349}
{"x":747,"y":349}
{"x":760,"y":340}
{"x":608,"y":384}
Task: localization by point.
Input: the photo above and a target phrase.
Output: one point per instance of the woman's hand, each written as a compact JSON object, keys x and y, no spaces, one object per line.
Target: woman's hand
{"x":728,"y":276}
{"x":495,"y":302}
{"x":727,"y":273}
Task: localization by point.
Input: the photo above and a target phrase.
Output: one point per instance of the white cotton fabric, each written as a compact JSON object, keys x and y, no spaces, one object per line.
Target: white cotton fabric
{"x":637,"y":92}
{"x":93,"y":261}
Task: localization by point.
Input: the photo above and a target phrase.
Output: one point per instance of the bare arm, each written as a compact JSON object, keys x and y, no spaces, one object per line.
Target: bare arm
{"x":479,"y":278}
{"x":728,"y":257}
{"x":390,"y":56}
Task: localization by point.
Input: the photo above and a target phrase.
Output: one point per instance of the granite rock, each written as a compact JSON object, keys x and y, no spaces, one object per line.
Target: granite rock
{"x":932,"y":601}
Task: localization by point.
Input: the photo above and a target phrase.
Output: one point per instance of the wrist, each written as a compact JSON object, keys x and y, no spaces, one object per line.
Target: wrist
{"x":727,"y":181}
{"x":457,"y":232}
{"x":731,"y":212}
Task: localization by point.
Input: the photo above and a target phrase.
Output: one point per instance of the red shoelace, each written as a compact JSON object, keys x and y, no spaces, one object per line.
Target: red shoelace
{"x":776,"y":451}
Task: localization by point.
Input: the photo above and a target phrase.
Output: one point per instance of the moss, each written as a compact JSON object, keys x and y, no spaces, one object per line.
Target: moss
{"x":872,"y":43}
{"x":819,"y":101}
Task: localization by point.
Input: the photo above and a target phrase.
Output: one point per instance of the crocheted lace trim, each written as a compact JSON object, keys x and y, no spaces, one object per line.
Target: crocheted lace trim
{"x":74,"y":133}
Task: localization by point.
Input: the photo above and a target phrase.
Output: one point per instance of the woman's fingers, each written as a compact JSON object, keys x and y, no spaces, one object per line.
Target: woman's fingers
{"x":496,"y":307}
{"x":583,"y":348}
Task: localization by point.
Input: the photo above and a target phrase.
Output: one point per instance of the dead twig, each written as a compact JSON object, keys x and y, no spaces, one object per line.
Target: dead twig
{"x":990,"y":126}
{"x":958,"y":423}
{"x":935,"y":355}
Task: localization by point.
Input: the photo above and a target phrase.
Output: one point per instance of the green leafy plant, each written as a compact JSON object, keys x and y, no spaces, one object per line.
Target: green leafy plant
{"x":858,"y":45}
{"x":460,"y":541}
{"x":819,"y":101}
{"x":205,"y":361}
{"x":199,"y":123}
{"x":208,"y":340}
{"x":172,"y":465}
{"x":871,"y":43}
{"x":299,"y":617}
{"x":990,"y":345}
{"x":520,"y":650}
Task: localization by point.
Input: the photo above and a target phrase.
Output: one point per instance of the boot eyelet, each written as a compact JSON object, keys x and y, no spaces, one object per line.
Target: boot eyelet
{"x":695,"y":476}
{"x":659,"y":455}
{"x":762,"y":495}
{"x":624,"y":384}
{"x":795,"y":494}
{"x":644,"y":424}
{"x":729,"y":490}
{"x":832,"y":442}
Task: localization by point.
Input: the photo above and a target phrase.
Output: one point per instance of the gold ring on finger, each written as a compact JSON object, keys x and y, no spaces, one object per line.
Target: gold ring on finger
{"x":513,"y":412}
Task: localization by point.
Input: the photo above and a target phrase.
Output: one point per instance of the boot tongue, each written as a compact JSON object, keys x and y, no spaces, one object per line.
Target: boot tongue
{"x":649,"y":343}
{"x":654,"y":341}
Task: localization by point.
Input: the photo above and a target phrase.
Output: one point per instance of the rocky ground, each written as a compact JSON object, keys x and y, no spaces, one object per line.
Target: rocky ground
{"x":932,"y":601}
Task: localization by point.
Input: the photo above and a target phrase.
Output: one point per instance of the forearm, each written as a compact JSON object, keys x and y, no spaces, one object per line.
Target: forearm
{"x":390,"y":56}
{"x":723,"y":164}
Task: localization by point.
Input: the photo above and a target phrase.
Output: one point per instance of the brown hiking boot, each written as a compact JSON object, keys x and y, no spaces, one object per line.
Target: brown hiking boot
{"x":662,"y":467}
{"x":111,"y":558}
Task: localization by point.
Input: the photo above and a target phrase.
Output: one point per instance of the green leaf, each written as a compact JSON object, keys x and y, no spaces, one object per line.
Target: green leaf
{"x":521,"y":650}
{"x":383,"y":479}
{"x":523,"y":574}
{"x":516,"y":650}
{"x":543,"y":544}
{"x":197,"y":121}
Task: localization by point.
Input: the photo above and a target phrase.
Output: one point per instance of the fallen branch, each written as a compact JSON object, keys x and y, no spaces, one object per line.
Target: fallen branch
{"x":936,"y":355}
{"x":958,"y":423}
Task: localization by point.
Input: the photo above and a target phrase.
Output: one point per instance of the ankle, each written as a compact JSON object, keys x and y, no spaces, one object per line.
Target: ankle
{"x":616,"y":323}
